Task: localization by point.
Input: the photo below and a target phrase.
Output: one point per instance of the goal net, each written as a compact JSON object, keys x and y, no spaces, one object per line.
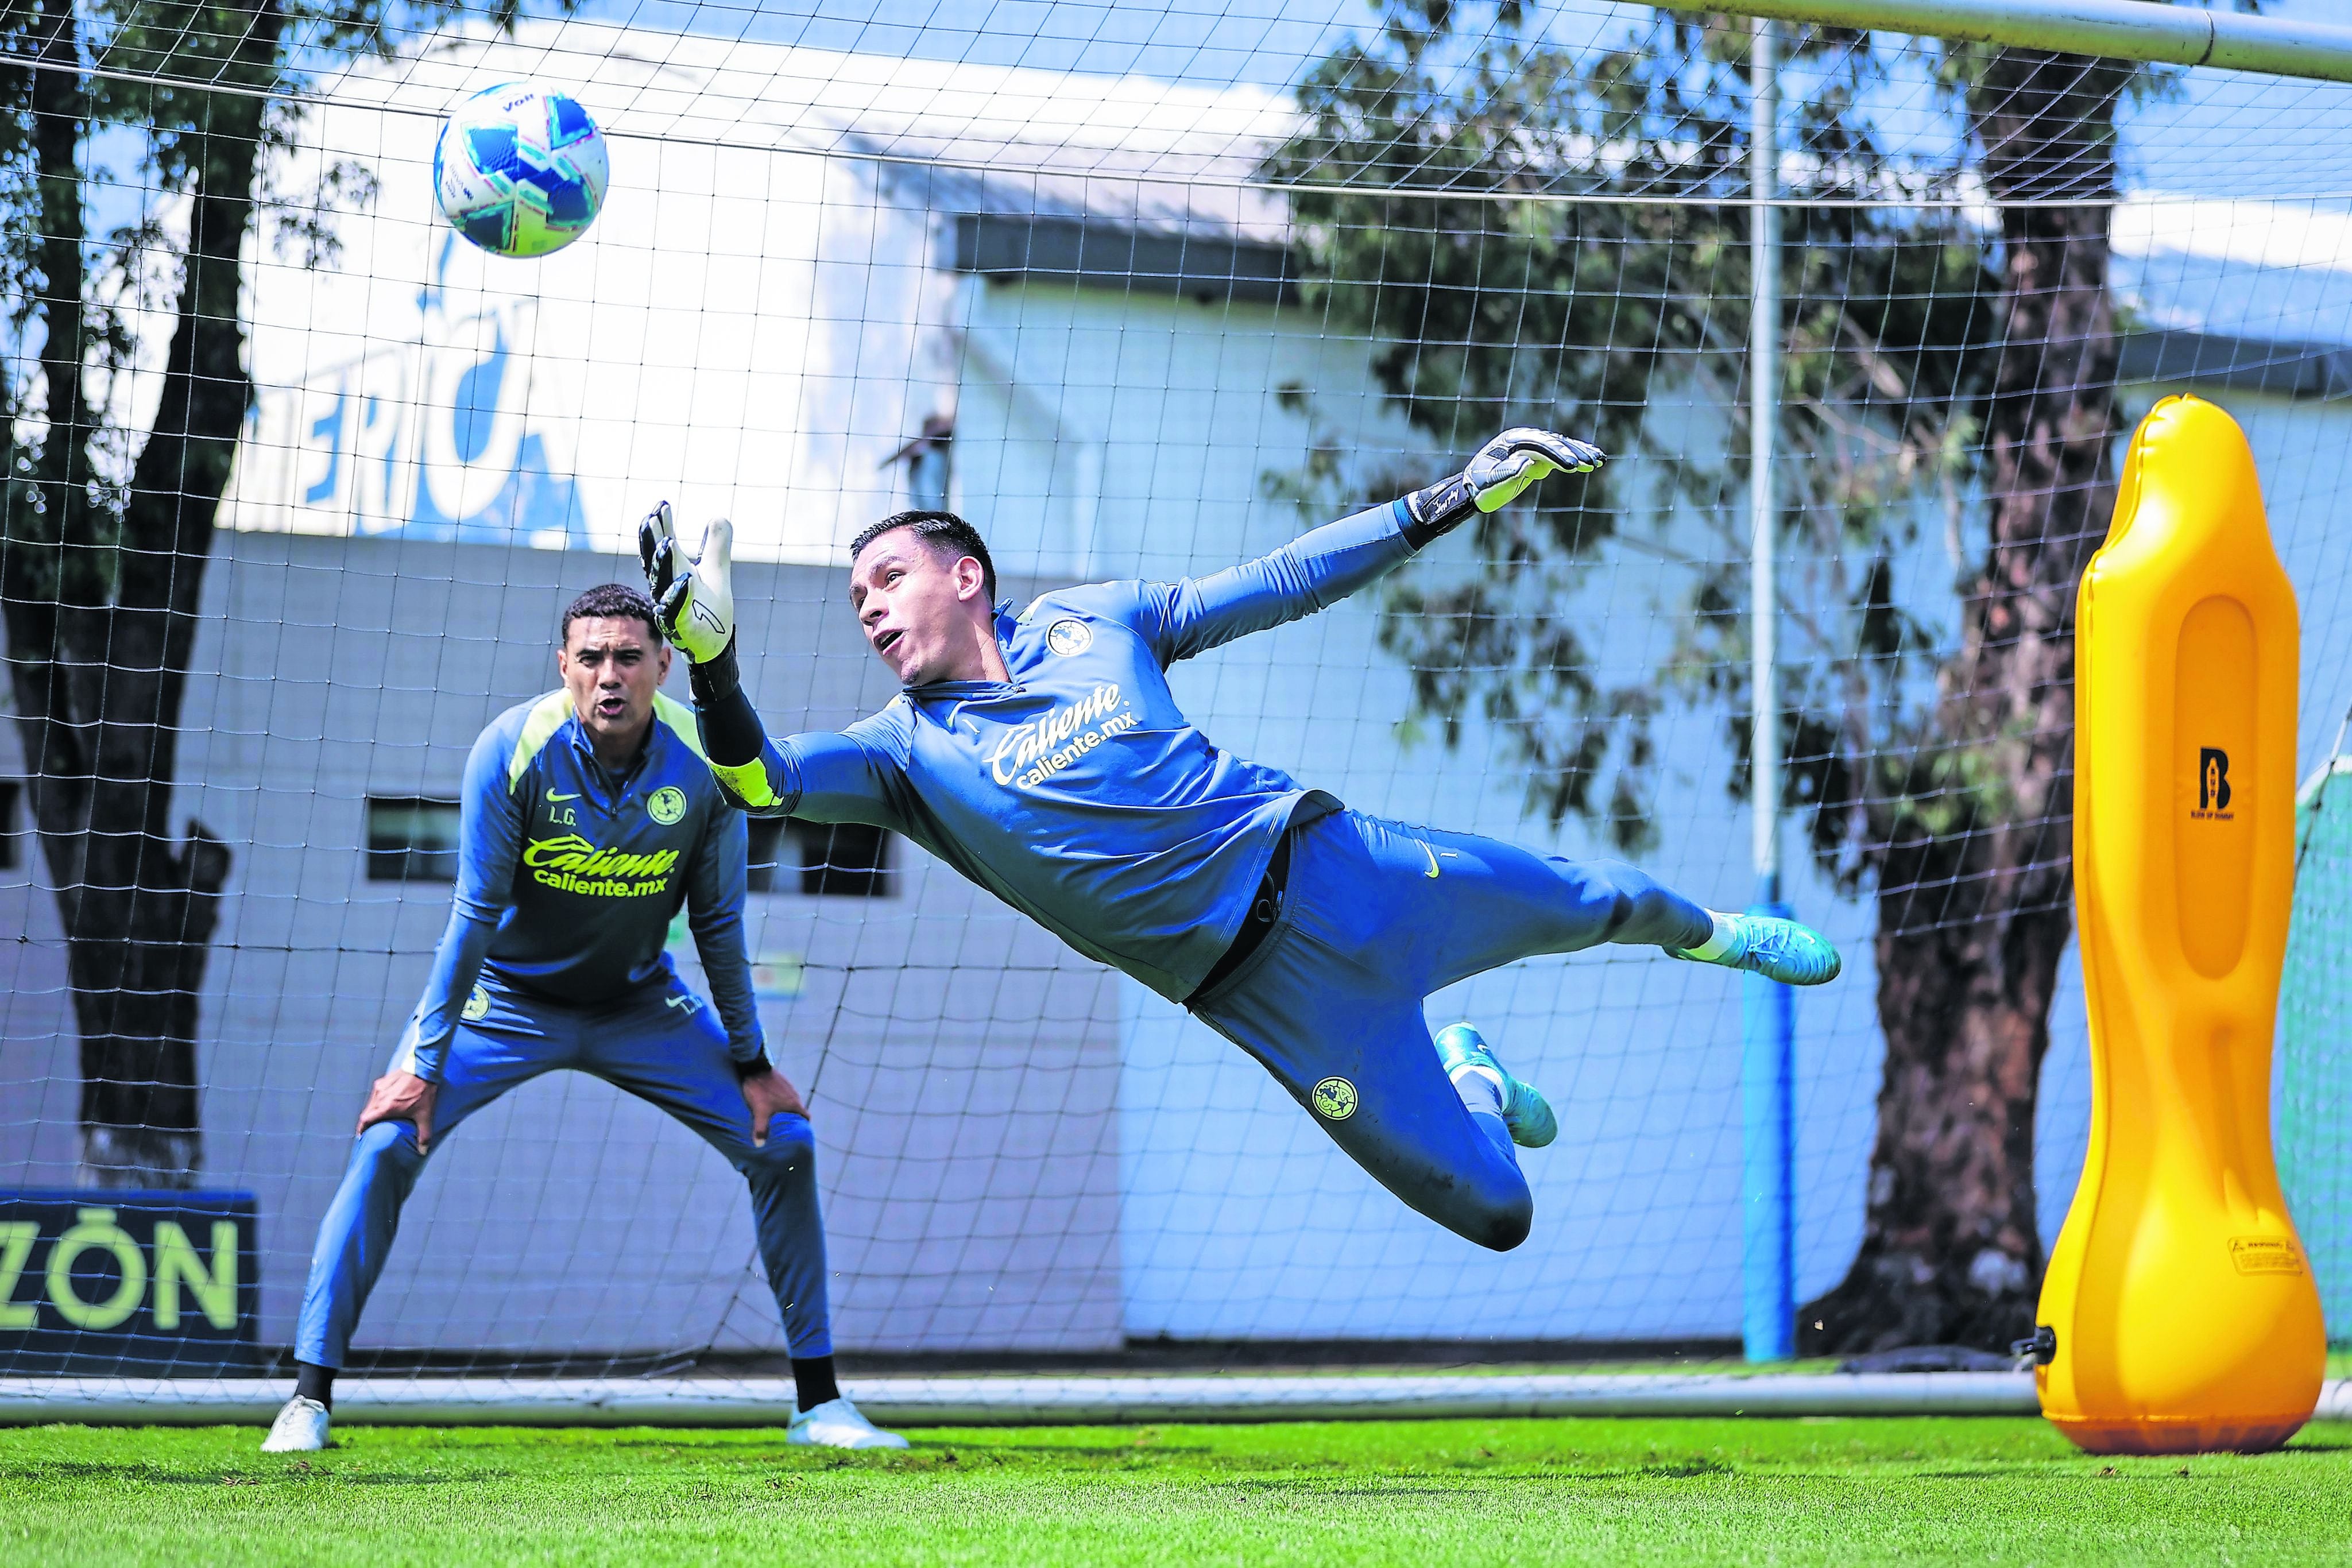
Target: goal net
{"x":2315,"y":1084}
{"x":1140,"y":295}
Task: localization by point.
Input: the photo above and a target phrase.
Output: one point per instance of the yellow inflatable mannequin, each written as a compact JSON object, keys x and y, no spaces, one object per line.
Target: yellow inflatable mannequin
{"x":2183,"y":1315}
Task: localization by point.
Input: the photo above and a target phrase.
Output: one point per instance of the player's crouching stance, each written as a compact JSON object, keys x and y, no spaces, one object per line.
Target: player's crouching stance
{"x":588,"y":819}
{"x":1044,"y":756}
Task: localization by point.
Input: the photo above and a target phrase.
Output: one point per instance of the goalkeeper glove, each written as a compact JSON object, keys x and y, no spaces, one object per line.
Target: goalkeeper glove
{"x":1503,"y":469}
{"x":691,"y":594}
{"x":693,"y":599}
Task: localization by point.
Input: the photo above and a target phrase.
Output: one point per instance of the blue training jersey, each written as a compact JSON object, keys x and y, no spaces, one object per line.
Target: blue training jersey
{"x":568,"y":878}
{"x":1078,"y":791}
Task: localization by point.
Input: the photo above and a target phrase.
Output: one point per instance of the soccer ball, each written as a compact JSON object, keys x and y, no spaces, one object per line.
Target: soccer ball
{"x":521,"y":170}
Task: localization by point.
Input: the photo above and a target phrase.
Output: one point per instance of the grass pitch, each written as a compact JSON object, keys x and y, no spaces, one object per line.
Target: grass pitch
{"x":1742,"y":1491}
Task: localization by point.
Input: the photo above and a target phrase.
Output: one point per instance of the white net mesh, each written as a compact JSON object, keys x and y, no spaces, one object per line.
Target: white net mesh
{"x":1121,"y":290}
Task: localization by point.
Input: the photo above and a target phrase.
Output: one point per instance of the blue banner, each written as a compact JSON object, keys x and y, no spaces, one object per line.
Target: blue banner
{"x":95,"y":1281}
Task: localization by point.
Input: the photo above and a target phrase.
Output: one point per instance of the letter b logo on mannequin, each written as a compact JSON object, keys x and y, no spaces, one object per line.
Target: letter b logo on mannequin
{"x":2212,"y":778}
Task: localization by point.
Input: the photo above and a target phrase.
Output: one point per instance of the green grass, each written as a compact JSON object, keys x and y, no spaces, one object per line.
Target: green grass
{"x":1820,"y":1491}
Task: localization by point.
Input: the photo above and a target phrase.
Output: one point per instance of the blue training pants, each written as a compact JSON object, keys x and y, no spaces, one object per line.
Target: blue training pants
{"x":1377,"y":915}
{"x":662,"y":1045}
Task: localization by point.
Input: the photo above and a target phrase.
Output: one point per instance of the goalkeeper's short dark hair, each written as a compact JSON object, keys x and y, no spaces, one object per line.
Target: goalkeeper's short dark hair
{"x":611,"y":602}
{"x":939,"y":530}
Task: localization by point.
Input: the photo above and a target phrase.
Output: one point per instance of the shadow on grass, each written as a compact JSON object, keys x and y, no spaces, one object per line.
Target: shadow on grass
{"x":57,"y":1470}
{"x":75,"y":1470}
{"x":1049,"y":1452}
{"x":1682,"y":1469}
{"x":1045,"y":1455}
{"x":1315,"y":1486}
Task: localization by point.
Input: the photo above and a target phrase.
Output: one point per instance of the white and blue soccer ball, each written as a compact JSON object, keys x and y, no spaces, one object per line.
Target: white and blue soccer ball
{"x":521,"y":170}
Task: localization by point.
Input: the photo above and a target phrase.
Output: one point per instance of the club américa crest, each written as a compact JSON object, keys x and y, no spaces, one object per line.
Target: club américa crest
{"x":1334,"y":1099}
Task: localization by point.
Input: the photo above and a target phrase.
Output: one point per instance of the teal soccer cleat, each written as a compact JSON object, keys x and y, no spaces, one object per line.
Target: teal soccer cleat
{"x":1462,"y":1049}
{"x":1766,"y":945}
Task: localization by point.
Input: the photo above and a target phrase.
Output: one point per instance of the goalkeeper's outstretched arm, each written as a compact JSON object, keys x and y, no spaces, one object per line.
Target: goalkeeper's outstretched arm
{"x":747,"y":765}
{"x":825,"y":777}
{"x":1324,"y":566}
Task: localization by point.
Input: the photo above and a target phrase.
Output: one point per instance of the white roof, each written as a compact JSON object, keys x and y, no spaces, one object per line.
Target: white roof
{"x":2275,"y":271}
{"x":689,"y":87}
{"x":959,"y":136}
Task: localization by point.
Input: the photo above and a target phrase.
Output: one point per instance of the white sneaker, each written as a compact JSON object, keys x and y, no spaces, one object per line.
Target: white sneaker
{"x":300,"y":1428}
{"x":835,"y":1423}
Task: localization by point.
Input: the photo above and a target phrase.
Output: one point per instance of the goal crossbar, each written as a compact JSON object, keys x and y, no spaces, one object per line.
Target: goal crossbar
{"x":2120,"y":29}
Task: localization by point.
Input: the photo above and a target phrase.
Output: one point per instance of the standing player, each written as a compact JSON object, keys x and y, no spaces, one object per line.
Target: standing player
{"x":589,"y":817}
{"x":1044,"y":756}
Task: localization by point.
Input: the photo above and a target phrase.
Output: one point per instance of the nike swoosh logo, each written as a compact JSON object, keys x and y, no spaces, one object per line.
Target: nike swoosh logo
{"x":551,"y":795}
{"x":1433,"y":859}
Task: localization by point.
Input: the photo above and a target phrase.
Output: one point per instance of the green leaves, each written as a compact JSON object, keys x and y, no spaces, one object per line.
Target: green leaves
{"x":1531,"y":236}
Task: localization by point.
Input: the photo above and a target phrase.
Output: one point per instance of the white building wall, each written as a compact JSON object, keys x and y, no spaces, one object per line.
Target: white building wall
{"x":959,"y":1065}
{"x":744,"y":333}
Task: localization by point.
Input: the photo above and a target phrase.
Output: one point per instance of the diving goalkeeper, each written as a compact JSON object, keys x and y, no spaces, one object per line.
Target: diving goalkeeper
{"x":588,"y":820}
{"x":1042,"y":756}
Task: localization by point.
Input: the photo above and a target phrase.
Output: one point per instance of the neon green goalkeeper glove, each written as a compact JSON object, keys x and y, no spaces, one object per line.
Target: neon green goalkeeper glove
{"x":1504,"y":469}
{"x":691,"y":594}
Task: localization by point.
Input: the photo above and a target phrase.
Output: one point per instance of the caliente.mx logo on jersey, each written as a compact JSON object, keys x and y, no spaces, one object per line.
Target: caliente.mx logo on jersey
{"x":1029,"y":754}
{"x":569,"y":864}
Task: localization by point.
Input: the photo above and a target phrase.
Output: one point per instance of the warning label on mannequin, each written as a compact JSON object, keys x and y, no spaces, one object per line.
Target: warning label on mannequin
{"x":2265,"y":1255}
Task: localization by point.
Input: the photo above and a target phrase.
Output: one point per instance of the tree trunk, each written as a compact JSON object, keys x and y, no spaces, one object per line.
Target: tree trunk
{"x":1973,"y":914}
{"x":99,"y":679}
